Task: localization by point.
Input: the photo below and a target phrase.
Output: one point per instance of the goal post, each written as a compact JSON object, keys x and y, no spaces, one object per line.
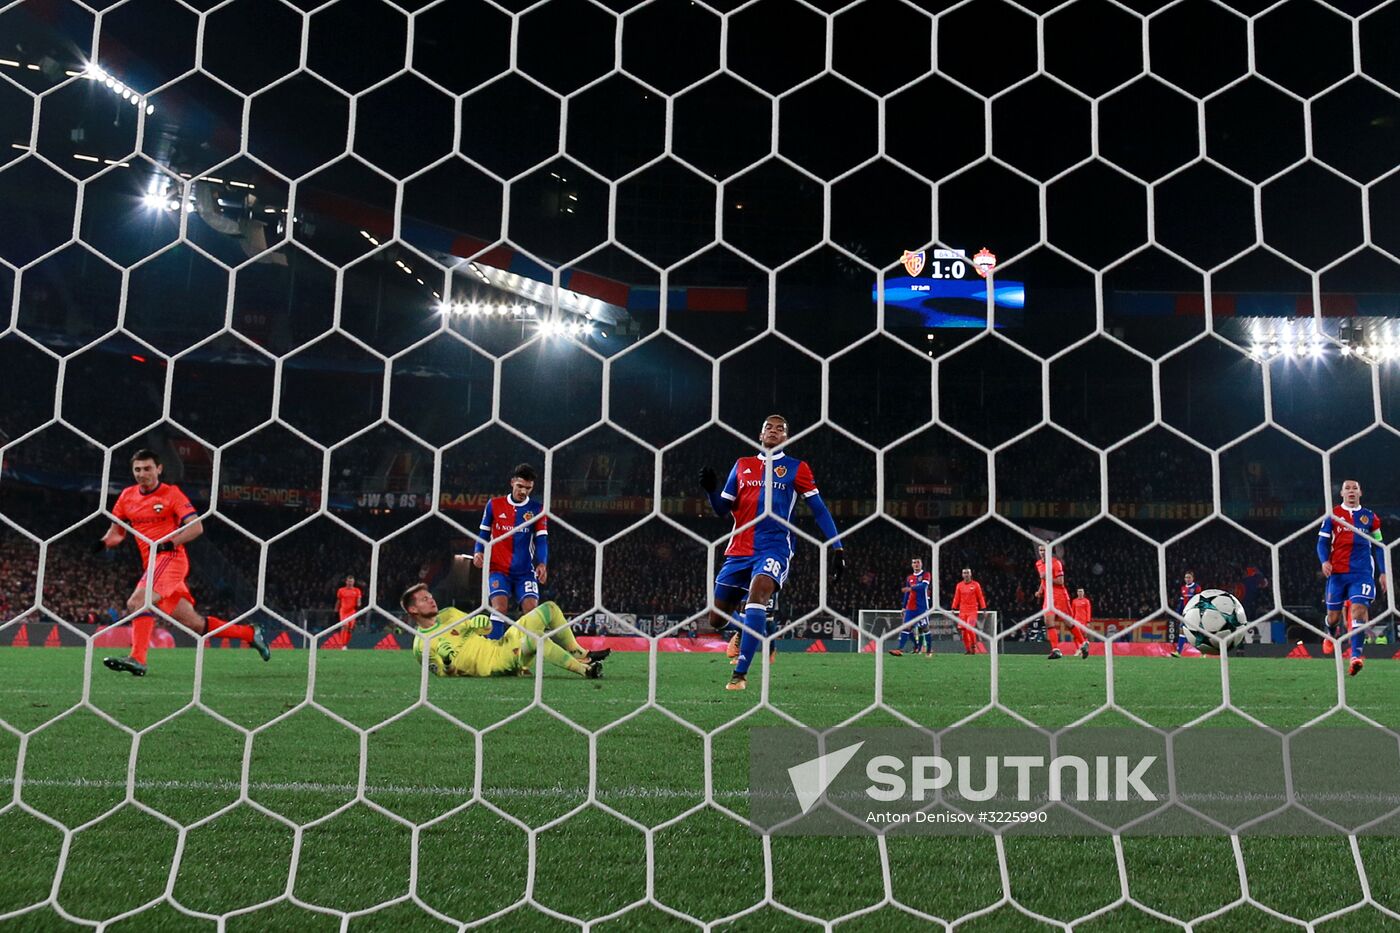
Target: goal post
{"x":875,"y":624}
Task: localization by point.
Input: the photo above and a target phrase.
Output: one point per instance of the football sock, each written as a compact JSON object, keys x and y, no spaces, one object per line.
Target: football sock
{"x":243,"y":633}
{"x":563,"y":634}
{"x":1052,"y":635}
{"x":1180,"y":642}
{"x":500,"y":623}
{"x":755,"y":621}
{"x":141,"y":627}
{"x":1358,"y":639}
{"x":539,"y":621}
{"x":903,"y":639}
{"x":731,"y":628}
{"x":561,"y":658}
{"x":928,"y":642}
{"x":1079,"y":636}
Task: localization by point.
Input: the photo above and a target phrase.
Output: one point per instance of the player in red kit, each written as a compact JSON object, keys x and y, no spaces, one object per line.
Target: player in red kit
{"x":164,"y":522}
{"x":347,"y":603}
{"x":1083,"y":612}
{"x":1351,"y":550}
{"x":918,"y":597}
{"x":759,"y":496}
{"x":968,"y":600}
{"x":1057,"y":616}
{"x":520,"y":554}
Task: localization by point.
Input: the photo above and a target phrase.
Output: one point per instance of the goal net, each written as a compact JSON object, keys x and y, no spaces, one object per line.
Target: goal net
{"x":1112,"y":278}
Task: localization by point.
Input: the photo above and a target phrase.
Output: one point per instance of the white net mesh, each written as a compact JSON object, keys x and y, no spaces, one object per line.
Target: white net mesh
{"x":345,"y":264}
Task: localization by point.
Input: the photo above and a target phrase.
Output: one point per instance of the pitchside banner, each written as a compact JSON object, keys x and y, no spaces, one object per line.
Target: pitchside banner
{"x":1222,"y":777}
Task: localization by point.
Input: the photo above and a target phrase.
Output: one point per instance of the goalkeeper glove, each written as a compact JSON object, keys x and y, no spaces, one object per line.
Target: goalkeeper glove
{"x":838,"y":562}
{"x":708,"y":480}
{"x":165,"y":546}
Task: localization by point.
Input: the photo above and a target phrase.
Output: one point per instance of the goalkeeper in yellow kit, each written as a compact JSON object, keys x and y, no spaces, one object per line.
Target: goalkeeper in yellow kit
{"x":460,"y":645}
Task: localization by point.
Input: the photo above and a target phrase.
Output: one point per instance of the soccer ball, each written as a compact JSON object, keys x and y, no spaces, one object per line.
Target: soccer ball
{"x":1214,"y":618}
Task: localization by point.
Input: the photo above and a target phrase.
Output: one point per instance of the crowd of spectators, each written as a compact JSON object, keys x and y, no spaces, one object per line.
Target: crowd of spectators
{"x":653,"y":568}
{"x":76,"y":588}
{"x":56,"y":451}
{"x":650,"y":571}
{"x":278,"y":459}
{"x":656,"y":570}
{"x":1158,"y":471}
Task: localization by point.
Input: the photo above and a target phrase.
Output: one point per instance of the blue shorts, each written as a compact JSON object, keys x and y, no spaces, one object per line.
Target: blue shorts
{"x":921,"y":615}
{"x":1357,"y":587}
{"x":738,"y":572}
{"x":517,"y":586}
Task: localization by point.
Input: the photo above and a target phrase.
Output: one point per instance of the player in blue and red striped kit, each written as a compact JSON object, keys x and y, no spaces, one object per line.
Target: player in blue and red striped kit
{"x":1349,"y":546}
{"x":1189,"y":589}
{"x":917,"y":588}
{"x":520,"y":555}
{"x":760,"y":549}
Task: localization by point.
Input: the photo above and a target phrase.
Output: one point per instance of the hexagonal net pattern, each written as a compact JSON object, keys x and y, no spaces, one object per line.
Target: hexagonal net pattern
{"x":1016,"y":274}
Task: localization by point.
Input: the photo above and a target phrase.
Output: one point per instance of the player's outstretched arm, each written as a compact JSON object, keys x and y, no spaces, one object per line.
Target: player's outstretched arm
{"x":1324,"y":546}
{"x":827,"y":524}
{"x":541,"y":555}
{"x":115,"y":535}
{"x":1378,"y":549}
{"x":191,"y":528}
{"x":824,"y":520}
{"x":720,"y":500}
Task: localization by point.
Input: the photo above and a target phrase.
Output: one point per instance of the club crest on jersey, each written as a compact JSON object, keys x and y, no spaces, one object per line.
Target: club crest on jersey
{"x":527,"y":516}
{"x":1364,"y":519}
{"x":780,"y":471}
{"x":913,"y":262}
{"x":158,"y":507}
{"x":985,"y":261}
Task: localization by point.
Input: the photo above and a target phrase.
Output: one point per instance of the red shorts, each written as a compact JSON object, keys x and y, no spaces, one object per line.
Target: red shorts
{"x":1061,"y":604}
{"x":969,"y":621}
{"x":169,"y":585}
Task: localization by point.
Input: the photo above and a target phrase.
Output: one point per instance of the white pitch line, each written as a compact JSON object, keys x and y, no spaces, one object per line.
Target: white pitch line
{"x":893,"y":700}
{"x":315,"y":787}
{"x":627,"y":792}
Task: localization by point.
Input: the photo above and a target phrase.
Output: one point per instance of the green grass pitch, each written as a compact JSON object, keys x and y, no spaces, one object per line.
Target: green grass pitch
{"x":472,"y":862}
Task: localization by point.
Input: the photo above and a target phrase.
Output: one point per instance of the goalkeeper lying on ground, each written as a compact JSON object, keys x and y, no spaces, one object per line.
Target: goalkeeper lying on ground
{"x":461,"y":646}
